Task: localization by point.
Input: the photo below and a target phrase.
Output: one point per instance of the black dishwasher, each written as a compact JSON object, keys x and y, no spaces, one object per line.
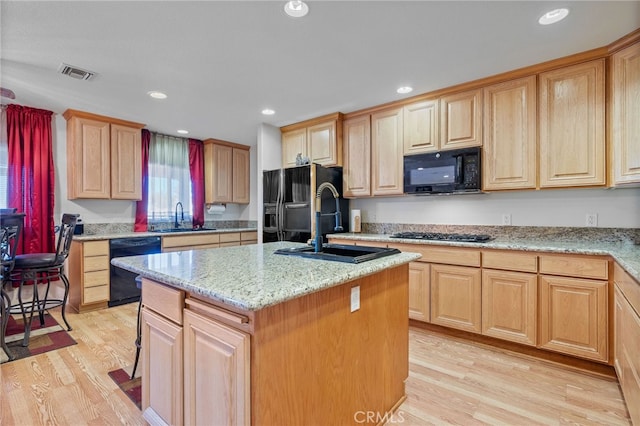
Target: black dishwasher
{"x":123,"y":287}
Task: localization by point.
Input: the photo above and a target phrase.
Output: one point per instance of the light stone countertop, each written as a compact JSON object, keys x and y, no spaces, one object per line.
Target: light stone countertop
{"x":251,"y":277}
{"x":626,"y":254}
{"x":110,"y":236}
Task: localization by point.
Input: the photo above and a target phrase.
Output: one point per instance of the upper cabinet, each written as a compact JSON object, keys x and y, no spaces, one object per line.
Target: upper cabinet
{"x":421,"y":127}
{"x":387,"y":152}
{"x":509,"y":158}
{"x":319,"y":139}
{"x":356,"y":176}
{"x":572,"y":131}
{"x":461,"y":120}
{"x":104,"y":157}
{"x":625,"y":115}
{"x":226,"y":172}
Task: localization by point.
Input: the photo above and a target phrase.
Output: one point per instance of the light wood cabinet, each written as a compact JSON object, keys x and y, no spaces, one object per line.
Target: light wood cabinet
{"x":104,"y":157}
{"x":419,"y":287}
{"x":226,"y":172}
{"x":618,"y":331}
{"x":510,"y":141}
{"x":88,"y":270}
{"x":461,"y":120}
{"x":421,"y":127}
{"x":320,"y":139}
{"x":625,"y":115}
{"x":571,"y":125}
{"x":387,"y":152}
{"x":627,"y":347}
{"x":356,"y":173}
{"x":207,"y":240}
{"x":456,"y":297}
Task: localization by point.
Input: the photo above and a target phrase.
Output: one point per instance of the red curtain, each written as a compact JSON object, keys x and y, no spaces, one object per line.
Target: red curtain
{"x":196,"y":167}
{"x":141,"y":206}
{"x":31,"y":176}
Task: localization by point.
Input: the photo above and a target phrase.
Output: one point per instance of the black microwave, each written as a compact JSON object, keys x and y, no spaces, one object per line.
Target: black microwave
{"x":453,"y":171}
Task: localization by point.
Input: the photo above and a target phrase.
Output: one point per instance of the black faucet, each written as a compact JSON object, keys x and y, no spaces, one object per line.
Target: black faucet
{"x":317,"y":241}
{"x":176,"y":224}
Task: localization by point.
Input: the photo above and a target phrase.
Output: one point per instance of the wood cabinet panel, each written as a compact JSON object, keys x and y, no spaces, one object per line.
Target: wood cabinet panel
{"x":419,"y":287}
{"x":96,"y":278}
{"x":630,"y":360}
{"x":162,"y":298}
{"x":629,"y":287}
{"x":386,"y":153}
{"x":574,"y":266}
{"x":574,"y":317}
{"x":625,"y":115}
{"x":88,"y":158}
{"x":96,"y":263}
{"x":509,"y":306}
{"x":226,"y":172}
{"x":319,"y":139}
{"x":126,"y":163}
{"x":323,"y":144}
{"x":88,"y":270}
{"x":96,"y":294}
{"x":461,"y":120}
{"x":456,"y":297}
{"x":618,"y":332}
{"x":293,"y":143}
{"x":510,"y":136}
{"x":185,"y":241}
{"x":217,"y":373}
{"x":241,"y":176}
{"x":572,"y":138}
{"x":96,"y":248}
{"x":421,"y":127}
{"x":510,"y":260}
{"x":356,"y":173}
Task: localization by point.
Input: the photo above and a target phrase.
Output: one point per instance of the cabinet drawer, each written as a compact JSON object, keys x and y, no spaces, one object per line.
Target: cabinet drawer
{"x":510,"y":261}
{"x":230,"y":237}
{"x":248,"y":243}
{"x":190,"y":240}
{"x":95,"y":294}
{"x":230,"y":244}
{"x":573,"y":266}
{"x":164,"y":300}
{"x":96,"y":263}
{"x":629,"y":287}
{"x":96,"y":248}
{"x":96,"y":278}
{"x":248,"y":236}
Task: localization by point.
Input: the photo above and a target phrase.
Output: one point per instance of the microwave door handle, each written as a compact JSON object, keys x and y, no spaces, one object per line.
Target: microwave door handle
{"x":459,"y":169}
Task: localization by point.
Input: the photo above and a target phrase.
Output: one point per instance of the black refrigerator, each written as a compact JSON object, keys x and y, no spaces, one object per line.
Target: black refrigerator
{"x":289,"y":202}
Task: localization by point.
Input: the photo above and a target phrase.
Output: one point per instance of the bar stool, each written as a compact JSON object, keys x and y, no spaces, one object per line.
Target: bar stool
{"x":10,"y":231}
{"x":138,"y":341}
{"x":40,"y":269}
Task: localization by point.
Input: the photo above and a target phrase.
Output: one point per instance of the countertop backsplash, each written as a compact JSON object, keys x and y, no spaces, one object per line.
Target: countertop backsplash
{"x":122,"y":228}
{"x":610,"y":235}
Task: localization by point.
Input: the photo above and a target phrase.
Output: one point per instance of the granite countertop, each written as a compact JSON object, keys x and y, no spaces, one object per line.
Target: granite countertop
{"x":110,"y":236}
{"x":626,"y":254}
{"x":251,"y":277}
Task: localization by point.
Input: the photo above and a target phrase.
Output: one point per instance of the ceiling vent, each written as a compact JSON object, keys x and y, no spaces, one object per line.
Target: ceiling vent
{"x":75,"y":72}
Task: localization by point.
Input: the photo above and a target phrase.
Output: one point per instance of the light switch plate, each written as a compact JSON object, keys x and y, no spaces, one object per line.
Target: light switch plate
{"x":355,"y":298}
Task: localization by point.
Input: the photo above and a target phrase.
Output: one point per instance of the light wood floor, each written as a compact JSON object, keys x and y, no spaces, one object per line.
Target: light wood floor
{"x":450,"y":382}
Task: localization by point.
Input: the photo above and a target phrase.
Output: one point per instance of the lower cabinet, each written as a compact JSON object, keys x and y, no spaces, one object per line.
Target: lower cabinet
{"x":419,"y":291}
{"x":456,"y":297}
{"x":89,"y":275}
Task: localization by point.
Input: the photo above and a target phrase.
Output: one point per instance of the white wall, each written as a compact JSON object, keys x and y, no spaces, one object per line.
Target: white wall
{"x":616,"y":208}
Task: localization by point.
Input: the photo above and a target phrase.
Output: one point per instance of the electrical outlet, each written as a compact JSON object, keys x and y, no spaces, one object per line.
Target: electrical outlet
{"x":355,"y":298}
{"x":506,"y":219}
{"x":592,"y":220}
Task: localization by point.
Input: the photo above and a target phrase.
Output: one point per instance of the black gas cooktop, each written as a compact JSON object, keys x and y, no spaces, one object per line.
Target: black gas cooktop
{"x":469,"y":238}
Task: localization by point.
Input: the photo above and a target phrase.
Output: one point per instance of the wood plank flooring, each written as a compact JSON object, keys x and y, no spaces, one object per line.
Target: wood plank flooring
{"x":451,"y":381}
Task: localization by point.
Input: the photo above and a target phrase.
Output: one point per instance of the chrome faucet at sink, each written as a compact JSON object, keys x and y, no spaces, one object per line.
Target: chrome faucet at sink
{"x":317,"y":241}
{"x":176,"y":224}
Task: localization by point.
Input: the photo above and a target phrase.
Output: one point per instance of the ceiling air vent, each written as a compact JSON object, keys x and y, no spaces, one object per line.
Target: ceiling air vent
{"x":75,"y":72}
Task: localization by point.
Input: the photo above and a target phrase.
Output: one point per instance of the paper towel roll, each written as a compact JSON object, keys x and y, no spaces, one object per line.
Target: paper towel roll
{"x":355,"y":222}
{"x":216,"y":209}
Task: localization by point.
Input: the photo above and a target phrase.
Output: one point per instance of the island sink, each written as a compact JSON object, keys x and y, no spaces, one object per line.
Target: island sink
{"x":340,"y":253}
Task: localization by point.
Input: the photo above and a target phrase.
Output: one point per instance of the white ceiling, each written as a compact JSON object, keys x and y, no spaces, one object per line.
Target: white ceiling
{"x":222,"y":62}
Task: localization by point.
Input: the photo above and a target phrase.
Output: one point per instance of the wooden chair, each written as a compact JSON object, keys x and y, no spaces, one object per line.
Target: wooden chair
{"x":10,"y":231}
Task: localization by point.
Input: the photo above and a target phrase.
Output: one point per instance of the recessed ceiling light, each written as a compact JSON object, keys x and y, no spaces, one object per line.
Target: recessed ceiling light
{"x":183,"y":132}
{"x":553,"y":16}
{"x":296,"y":9}
{"x":404,"y":89}
{"x":268,"y":111}
{"x":157,"y":95}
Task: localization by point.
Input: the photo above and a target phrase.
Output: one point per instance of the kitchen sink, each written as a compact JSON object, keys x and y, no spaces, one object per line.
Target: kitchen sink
{"x":340,"y":253}
{"x":170,"y":230}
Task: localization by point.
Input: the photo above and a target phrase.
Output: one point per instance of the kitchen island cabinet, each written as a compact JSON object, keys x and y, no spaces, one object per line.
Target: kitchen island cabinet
{"x":272,"y":339}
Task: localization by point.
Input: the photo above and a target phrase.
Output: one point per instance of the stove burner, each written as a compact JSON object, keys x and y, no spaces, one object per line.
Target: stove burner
{"x":470,"y":238}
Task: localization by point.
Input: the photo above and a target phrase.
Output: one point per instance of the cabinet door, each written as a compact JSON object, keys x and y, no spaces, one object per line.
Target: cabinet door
{"x":618,"y":332}
{"x":630,"y":360}
{"x":126,"y":163}
{"x":89,"y":163}
{"x":421,"y":127}
{"x":218,"y":169}
{"x":509,"y":157}
{"x":461,"y":120}
{"x":162,"y":376}
{"x":323,"y":144}
{"x":419,"y":291}
{"x":625,"y":117}
{"x":216,"y":368}
{"x":456,"y":297}
{"x":386,"y":152}
{"x":241,"y":176}
{"x":572,"y":126}
{"x":293,"y":143}
{"x":509,"y":305}
{"x":574,"y":317}
{"x":356,"y":173}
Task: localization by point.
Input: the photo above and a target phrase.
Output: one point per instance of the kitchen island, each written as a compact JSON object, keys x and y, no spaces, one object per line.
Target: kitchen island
{"x":241,"y":335}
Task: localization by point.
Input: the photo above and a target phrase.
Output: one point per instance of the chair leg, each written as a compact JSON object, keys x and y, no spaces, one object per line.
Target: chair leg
{"x":138,"y":340}
{"x":65,"y":281}
{"x":27,"y":323}
{"x":5,"y":302}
